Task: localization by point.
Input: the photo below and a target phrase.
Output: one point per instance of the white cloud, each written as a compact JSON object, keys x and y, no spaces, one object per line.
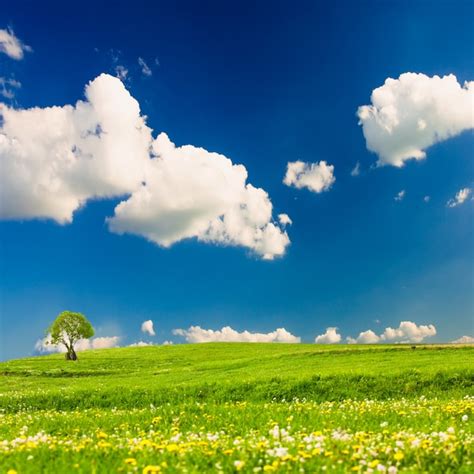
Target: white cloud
{"x":408,"y":331}
{"x":141,"y":344}
{"x":331,"y":336}
{"x":145,"y":69}
{"x":284,"y":219}
{"x":11,"y":45}
{"x":464,"y":340}
{"x":227,"y":334}
{"x":58,"y":158}
{"x":460,"y":197}
{"x":356,"y":170}
{"x":366,"y":337}
{"x":400,"y":195}
{"x":317,"y":177}
{"x":191,"y":192}
{"x":121,"y":72}
{"x":426,"y":199}
{"x":413,"y":112}
{"x":7,"y":87}
{"x":147,"y":327}
{"x":167,"y":343}
{"x":44,"y":345}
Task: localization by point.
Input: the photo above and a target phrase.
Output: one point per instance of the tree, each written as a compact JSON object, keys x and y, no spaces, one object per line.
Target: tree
{"x":67,"y":329}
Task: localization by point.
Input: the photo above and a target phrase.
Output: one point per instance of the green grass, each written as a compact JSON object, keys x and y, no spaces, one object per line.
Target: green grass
{"x":182,"y":408}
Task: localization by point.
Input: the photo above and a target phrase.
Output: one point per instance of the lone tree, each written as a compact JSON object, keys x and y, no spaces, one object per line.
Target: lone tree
{"x":67,"y":329}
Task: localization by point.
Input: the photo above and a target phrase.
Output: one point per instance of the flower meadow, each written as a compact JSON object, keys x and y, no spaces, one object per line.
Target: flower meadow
{"x":281,"y":436}
{"x":414,"y":432}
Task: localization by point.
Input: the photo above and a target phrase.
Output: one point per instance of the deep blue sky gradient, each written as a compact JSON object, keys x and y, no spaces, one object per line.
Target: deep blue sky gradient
{"x":263,"y":83}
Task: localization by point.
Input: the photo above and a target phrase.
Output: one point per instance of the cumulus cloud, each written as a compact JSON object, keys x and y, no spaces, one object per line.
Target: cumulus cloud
{"x":331,"y":336}
{"x":316,"y":177}
{"x":55,"y":159}
{"x":8,"y":86}
{"x":197,"y":334}
{"x":365,"y":337}
{"x":400,"y":195}
{"x":408,"y":331}
{"x":409,"y":114}
{"x":147,"y":327}
{"x":461,"y":196}
{"x":44,"y":345}
{"x":284,"y":219}
{"x":11,"y":45}
{"x":167,"y":343}
{"x":191,"y":192}
{"x":144,"y":66}
{"x":464,"y":340}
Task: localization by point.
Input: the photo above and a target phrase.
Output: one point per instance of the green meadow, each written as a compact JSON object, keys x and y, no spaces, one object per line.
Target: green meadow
{"x":240,"y":408}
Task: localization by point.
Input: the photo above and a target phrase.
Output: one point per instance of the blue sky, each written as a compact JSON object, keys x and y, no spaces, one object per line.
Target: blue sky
{"x":264,"y":84}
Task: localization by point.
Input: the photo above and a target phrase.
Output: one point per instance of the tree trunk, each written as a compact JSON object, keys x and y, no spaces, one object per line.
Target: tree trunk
{"x":71,"y":354}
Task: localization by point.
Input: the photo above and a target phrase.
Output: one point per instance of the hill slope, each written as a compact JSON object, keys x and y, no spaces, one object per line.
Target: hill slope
{"x":240,"y":408}
{"x":234,"y":371}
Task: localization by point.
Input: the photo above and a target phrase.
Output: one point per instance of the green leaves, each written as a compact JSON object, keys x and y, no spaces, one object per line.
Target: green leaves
{"x":68,"y":328}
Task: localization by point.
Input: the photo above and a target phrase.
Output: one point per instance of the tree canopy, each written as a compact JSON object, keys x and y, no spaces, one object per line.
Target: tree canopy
{"x":68,"y":328}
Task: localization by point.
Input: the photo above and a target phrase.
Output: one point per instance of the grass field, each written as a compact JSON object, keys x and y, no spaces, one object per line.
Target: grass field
{"x":240,"y":408}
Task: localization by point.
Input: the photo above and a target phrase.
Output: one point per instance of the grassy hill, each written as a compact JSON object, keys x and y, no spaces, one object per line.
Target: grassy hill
{"x":194,"y":407}
{"x":234,"y":371}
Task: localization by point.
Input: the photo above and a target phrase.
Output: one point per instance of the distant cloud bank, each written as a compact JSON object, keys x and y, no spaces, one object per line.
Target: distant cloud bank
{"x":407,"y":332}
{"x":44,"y":345}
{"x":197,"y":334}
{"x":464,"y":340}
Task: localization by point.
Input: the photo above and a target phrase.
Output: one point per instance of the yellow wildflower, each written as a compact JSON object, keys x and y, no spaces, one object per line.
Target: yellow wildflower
{"x":151,"y":469}
{"x":171,"y":448}
{"x":374,"y":463}
{"x":399,"y":456}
